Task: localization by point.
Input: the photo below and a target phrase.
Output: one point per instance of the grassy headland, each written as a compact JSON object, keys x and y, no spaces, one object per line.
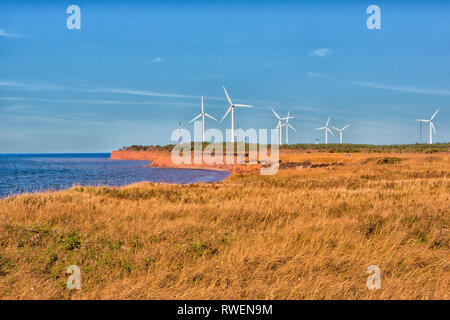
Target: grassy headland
{"x":308,"y":232}
{"x":331,"y":148}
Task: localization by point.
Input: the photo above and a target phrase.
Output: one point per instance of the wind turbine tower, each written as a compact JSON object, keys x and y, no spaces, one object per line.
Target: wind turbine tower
{"x":431,"y":125}
{"x":279,"y":126}
{"x":203,"y":114}
{"x":340,"y":132}
{"x":326,"y":130}
{"x":231,"y":108}
{"x":287,"y":125}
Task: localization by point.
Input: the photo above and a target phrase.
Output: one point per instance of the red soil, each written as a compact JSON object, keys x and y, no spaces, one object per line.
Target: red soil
{"x":162,"y":159}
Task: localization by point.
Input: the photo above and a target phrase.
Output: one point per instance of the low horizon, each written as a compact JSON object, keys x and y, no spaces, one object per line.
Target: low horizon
{"x":281,"y":147}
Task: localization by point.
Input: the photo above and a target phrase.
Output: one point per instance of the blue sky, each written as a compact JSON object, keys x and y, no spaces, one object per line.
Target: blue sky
{"x":135,"y":69}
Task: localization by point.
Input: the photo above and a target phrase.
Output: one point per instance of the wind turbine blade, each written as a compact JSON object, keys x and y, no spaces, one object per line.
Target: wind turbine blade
{"x":210,"y":116}
{"x":196,"y":118}
{"x":345,"y":127}
{"x":434,"y":114}
{"x":202,"y":105}
{"x":226,"y":113}
{"x":422,"y":120}
{"x":243,"y":105}
{"x":432,"y":126}
{"x":330,"y":131}
{"x":328,"y":121}
{"x":337,"y":129}
{"x":228,"y":97}
{"x":320,"y":128}
{"x":292,"y":127}
{"x":276,"y":114}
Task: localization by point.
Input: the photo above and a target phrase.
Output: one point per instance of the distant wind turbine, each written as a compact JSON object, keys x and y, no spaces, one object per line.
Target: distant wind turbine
{"x":231,"y":108}
{"x":279,"y":126}
{"x":326,"y":130}
{"x":431,"y":125}
{"x":340,"y":132}
{"x":203,"y":114}
{"x":287,"y":125}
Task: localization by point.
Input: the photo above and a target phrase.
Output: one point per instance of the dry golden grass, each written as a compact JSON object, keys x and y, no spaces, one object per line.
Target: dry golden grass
{"x":301,"y":234}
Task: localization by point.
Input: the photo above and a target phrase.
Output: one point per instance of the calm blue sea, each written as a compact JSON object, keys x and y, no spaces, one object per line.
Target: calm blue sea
{"x":39,"y":172}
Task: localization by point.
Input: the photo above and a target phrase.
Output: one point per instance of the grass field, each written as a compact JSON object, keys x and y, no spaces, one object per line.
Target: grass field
{"x":301,"y":234}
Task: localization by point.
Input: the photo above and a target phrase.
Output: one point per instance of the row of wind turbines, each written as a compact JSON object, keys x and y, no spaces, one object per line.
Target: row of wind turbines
{"x":327,"y":129}
{"x":230,"y":109}
{"x":284,"y":122}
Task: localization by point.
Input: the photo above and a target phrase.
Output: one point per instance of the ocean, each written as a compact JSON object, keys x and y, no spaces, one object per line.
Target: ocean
{"x":21,"y":173}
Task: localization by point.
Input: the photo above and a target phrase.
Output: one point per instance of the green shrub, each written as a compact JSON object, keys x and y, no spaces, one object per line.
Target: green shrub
{"x":73,"y":242}
{"x":127,"y":266}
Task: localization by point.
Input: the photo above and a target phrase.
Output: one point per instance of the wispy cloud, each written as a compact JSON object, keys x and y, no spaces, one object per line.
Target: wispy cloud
{"x":87,"y":88}
{"x":321,"y":52}
{"x":157,"y":60}
{"x":30,"y":86}
{"x":45,"y":86}
{"x":18,"y":107}
{"x":428,"y":91}
{"x":314,"y":75}
{"x":137,"y":92}
{"x":80,"y":101}
{"x":5,"y":34}
{"x":39,"y":115}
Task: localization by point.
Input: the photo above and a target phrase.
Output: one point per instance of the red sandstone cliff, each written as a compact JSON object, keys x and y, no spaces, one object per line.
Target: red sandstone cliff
{"x":162,"y":159}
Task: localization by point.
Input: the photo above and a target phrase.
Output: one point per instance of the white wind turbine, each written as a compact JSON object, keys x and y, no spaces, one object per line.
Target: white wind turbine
{"x":287,"y":125}
{"x":431,"y":125}
{"x":231,"y":108}
{"x":203,"y":114}
{"x":340,"y":132}
{"x":279,"y":126}
{"x":326,"y":130}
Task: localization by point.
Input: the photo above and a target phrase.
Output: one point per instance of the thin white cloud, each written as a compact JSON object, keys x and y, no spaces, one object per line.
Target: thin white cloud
{"x":40,"y":115}
{"x":406,"y":89}
{"x":30,"y":86}
{"x":18,"y":107}
{"x":321,"y":52}
{"x":314,"y":75}
{"x":44,"y":86}
{"x":157,"y":60}
{"x":141,"y":93}
{"x":80,"y":101}
{"x":5,"y":34}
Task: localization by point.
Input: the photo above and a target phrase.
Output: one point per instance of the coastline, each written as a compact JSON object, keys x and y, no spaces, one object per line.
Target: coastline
{"x":41,"y":173}
{"x":162,"y":159}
